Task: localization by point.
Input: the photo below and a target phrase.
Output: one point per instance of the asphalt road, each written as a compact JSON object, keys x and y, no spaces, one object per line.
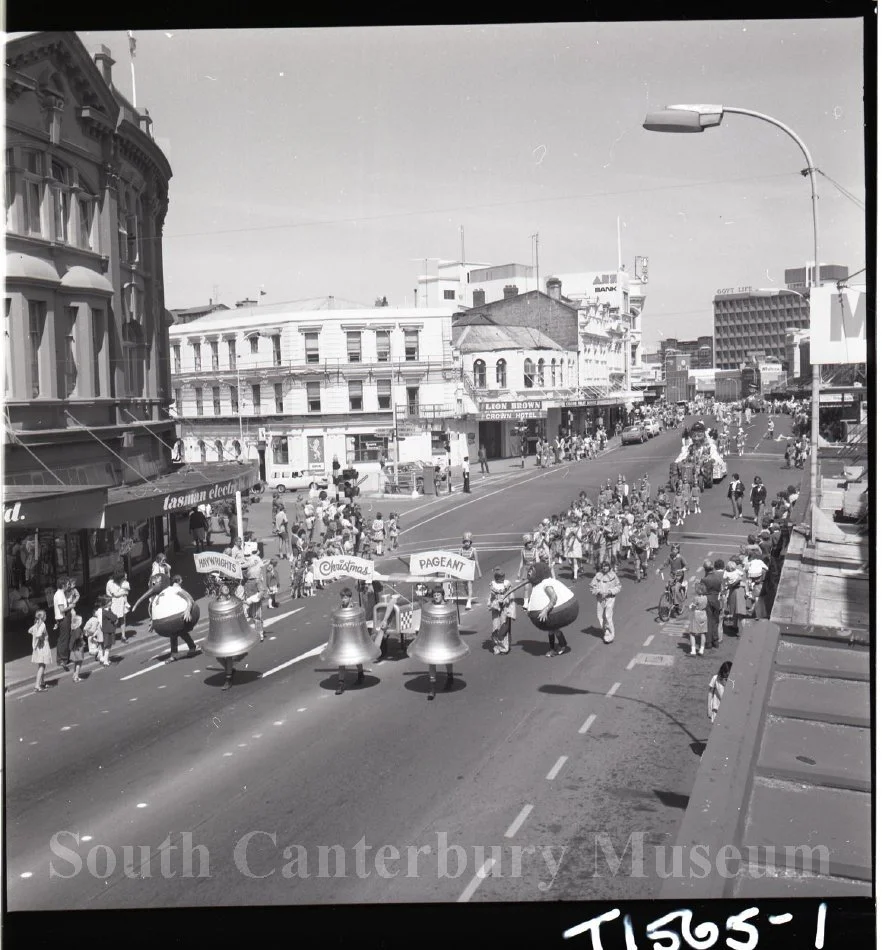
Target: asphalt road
{"x":147,"y":786}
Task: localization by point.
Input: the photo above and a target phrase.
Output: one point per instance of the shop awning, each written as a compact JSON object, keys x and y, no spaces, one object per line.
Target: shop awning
{"x":182,"y":490}
{"x":48,"y":506}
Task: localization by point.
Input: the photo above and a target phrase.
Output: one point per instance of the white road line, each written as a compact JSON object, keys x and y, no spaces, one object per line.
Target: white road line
{"x":556,"y":768}
{"x":303,"y":656}
{"x":630,"y":666}
{"x":475,"y":882}
{"x":587,"y":724}
{"x":146,"y":669}
{"x":516,"y":824}
{"x":613,"y":689}
{"x":290,"y":613}
{"x":648,"y":640}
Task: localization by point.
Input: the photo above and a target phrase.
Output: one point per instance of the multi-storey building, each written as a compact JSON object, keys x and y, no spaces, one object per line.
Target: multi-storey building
{"x":699,"y":351}
{"x":87,"y":464}
{"x":292,"y":387}
{"x":753,"y":324}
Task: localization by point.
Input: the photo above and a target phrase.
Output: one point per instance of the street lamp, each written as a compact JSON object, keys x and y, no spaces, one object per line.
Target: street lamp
{"x":697,"y":118}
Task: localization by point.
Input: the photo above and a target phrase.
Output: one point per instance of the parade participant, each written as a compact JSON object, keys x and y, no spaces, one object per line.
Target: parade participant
{"x":283,"y":532}
{"x":393,"y":531}
{"x":573,"y":547}
{"x":272,"y":581}
{"x":437,"y":599}
{"x":612,"y":534}
{"x":470,"y":554}
{"x":502,"y":611}
{"x":551,"y":607}
{"x":696,"y":496}
{"x":378,"y":534}
{"x":173,"y":594}
{"x":740,"y":439}
{"x":640,"y":548}
{"x":160,"y":565}
{"x":605,"y":585}
{"x":770,"y":429}
{"x":698,"y":621}
{"x":254,"y":582}
{"x":346,"y":601}
{"x":735,"y":494}
{"x":758,"y":499}
{"x":652,"y":535}
{"x":716,"y":688}
{"x":528,"y":557}
{"x":41,"y":654}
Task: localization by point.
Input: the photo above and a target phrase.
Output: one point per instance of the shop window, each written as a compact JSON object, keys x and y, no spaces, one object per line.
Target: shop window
{"x":277,"y":350}
{"x":254,"y":341}
{"x":439,"y":442}
{"x":97,"y":348}
{"x":215,"y":359}
{"x":540,"y":373}
{"x":68,"y":362}
{"x":219,"y":448}
{"x":355,"y":395}
{"x":234,"y":398}
{"x":311,"y":341}
{"x":237,"y":449}
{"x":411,"y":345}
{"x":198,"y":391}
{"x":197,"y":357}
{"x":529,"y":377}
{"x":255,"y":398}
{"x":215,"y":399}
{"x":450,"y":295}
{"x":280,"y":401}
{"x":36,"y":327}
{"x":33,"y":192}
{"x":280,"y":450}
{"x":203,"y":451}
{"x":553,"y":373}
{"x":501,"y":374}
{"x":231,"y":353}
{"x":314,"y":396}
{"x":384,"y":346}
{"x":479,"y":374}
{"x":353,"y":346}
{"x":176,"y":359}
{"x":366,"y":448}
{"x":86,"y":209}
{"x":384,"y":393}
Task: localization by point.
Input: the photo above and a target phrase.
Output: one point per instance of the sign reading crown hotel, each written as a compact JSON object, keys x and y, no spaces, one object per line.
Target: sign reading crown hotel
{"x":442,"y":562}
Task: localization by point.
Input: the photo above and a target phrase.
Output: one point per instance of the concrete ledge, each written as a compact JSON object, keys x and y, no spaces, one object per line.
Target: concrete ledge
{"x":715,"y":815}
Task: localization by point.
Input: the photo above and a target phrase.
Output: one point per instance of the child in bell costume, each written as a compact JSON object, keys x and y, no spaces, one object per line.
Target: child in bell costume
{"x":551,"y":607}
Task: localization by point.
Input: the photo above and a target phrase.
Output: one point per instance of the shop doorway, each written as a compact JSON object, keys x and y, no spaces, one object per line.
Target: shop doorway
{"x":490,"y":436}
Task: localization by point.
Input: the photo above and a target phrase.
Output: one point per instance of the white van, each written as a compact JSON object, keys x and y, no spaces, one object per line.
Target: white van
{"x":289,"y":479}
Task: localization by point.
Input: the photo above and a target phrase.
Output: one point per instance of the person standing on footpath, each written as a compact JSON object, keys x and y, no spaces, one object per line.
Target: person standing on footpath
{"x":713,"y":582}
{"x":199,"y":528}
{"x":735,"y":495}
{"x":482,"y":460}
{"x":117,"y":590}
{"x":466,"y":471}
{"x":41,"y":654}
{"x":62,"y":623}
{"x":715,"y":690}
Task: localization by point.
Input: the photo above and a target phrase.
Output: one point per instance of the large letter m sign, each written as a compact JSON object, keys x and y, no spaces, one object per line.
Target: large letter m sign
{"x":848,"y":315}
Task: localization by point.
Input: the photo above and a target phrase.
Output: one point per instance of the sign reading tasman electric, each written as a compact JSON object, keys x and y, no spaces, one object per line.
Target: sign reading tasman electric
{"x":838,"y":325}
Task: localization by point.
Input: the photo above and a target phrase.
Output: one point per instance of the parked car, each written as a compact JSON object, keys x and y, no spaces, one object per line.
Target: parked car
{"x":633,"y":434}
{"x":289,"y":480}
{"x":406,"y":472}
{"x":652,"y":427}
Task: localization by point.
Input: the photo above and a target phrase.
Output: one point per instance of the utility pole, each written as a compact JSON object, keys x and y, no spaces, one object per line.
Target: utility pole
{"x":132,"y":43}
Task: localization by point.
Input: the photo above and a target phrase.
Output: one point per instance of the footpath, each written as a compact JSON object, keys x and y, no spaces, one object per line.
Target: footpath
{"x":18,"y":670}
{"x":786,"y":775}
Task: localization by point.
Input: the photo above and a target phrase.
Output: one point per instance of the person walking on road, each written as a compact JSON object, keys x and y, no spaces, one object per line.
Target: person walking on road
{"x":117,"y":590}
{"x":41,"y":654}
{"x":482,"y":460}
{"x":735,"y":495}
{"x":283,"y":532}
{"x":605,"y":585}
{"x":758,"y":499}
{"x":191,"y":618}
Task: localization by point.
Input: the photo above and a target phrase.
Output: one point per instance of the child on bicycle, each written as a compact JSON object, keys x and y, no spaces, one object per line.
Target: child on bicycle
{"x":677,"y":566}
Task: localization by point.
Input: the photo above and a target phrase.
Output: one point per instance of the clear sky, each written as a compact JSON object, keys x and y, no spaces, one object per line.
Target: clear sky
{"x":329,"y":161}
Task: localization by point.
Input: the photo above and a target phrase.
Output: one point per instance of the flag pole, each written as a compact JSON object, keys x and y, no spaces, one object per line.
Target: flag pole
{"x":132,"y":43}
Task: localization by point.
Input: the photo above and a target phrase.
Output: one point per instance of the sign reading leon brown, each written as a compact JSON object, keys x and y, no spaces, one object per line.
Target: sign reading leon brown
{"x":328,"y":568}
{"x":442,"y":562}
{"x":207,"y":562}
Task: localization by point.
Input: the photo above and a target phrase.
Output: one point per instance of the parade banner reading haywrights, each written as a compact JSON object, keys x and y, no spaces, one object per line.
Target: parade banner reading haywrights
{"x":442,"y":562}
{"x":331,"y":568}
{"x":207,"y":562}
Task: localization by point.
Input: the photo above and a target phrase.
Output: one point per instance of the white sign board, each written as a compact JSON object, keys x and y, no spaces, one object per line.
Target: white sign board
{"x":207,"y":562}
{"x":330,"y":568}
{"x":442,"y":562}
{"x":838,"y":325}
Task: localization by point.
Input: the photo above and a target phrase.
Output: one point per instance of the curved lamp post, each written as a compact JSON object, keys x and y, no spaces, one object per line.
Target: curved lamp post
{"x":697,"y":118}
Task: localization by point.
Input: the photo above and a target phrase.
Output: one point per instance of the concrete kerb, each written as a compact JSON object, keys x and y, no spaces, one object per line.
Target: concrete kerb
{"x":717,"y":810}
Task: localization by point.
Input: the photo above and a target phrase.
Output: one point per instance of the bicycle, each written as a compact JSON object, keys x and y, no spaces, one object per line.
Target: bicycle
{"x":672,"y":600}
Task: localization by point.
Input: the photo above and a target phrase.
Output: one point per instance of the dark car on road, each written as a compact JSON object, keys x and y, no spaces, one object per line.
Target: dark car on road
{"x":633,"y":434}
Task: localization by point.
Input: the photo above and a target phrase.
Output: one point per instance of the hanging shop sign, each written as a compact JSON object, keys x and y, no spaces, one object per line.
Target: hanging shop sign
{"x":442,"y":562}
{"x":838,"y":324}
{"x":521,"y":405}
{"x":76,"y":508}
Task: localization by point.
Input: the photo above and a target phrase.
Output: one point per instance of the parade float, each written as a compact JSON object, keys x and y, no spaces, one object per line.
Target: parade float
{"x":700,"y":453}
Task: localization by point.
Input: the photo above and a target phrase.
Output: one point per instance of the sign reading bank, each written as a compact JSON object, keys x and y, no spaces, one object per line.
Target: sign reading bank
{"x":838,"y":325}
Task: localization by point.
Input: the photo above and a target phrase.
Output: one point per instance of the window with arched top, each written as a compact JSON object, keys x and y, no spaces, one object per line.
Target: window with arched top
{"x":203,"y":451}
{"x":501,"y":374}
{"x":479,"y":374}
{"x":553,"y":372}
{"x":219,"y":448}
{"x":529,"y":372}
{"x":237,"y":448}
{"x":540,"y":373}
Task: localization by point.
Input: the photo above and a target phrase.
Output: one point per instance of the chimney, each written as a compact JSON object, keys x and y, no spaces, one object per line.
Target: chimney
{"x":552,"y":287}
{"x":104,"y":61}
{"x":510,"y":290}
{"x":478,"y":298}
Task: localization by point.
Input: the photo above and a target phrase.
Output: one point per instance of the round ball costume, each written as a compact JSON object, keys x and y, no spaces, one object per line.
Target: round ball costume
{"x":566,"y":607}
{"x":168,"y":610}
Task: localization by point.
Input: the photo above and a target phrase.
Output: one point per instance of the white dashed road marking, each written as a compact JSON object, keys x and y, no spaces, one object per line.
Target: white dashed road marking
{"x":556,"y":768}
{"x":475,"y":882}
{"x":587,"y":724}
{"x":303,"y":656}
{"x":516,"y":824}
{"x":613,"y":689}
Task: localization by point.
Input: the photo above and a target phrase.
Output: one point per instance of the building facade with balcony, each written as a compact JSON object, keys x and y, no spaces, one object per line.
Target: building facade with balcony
{"x":87,"y":459}
{"x":292,"y":387}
